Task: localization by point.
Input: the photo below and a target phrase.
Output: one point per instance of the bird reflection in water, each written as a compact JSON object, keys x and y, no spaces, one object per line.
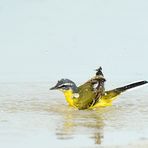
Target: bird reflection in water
{"x":80,"y":122}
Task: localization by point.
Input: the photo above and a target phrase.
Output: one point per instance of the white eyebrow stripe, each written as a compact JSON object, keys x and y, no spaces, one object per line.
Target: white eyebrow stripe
{"x":60,"y":85}
{"x":65,"y":84}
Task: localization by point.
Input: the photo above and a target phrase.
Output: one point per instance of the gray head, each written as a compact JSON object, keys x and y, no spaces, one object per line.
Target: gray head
{"x":65,"y":84}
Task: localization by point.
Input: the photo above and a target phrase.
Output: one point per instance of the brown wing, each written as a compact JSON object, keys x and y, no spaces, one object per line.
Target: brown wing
{"x":99,"y":89}
{"x":91,"y":91}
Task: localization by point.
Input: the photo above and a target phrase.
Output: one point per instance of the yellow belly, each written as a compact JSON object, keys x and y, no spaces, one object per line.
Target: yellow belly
{"x":103,"y":103}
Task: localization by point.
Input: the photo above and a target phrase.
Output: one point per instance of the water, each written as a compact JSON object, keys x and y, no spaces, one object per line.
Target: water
{"x":32,"y":116}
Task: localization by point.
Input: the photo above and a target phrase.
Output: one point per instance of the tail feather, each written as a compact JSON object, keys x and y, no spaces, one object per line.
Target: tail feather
{"x":126,"y":87}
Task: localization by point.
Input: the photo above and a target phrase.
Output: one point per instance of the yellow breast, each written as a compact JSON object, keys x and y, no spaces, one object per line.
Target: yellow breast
{"x":69,"y":97}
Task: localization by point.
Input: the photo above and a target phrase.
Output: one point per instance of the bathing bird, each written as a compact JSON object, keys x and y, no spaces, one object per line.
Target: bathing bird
{"x":92,"y":93}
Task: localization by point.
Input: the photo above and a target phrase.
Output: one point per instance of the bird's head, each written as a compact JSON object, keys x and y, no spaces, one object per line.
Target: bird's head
{"x":65,"y":85}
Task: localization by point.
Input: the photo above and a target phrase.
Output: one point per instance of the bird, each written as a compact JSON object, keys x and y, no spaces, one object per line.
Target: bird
{"x":92,"y":93}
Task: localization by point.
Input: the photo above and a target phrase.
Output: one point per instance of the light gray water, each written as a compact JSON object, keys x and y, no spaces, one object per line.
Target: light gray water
{"x":32,"y":116}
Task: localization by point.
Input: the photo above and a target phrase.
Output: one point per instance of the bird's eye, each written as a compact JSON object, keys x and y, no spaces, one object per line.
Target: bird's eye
{"x":65,"y":86}
{"x":62,"y":86}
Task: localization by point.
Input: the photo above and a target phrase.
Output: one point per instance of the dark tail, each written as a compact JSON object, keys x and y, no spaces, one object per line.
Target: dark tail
{"x":124,"y":88}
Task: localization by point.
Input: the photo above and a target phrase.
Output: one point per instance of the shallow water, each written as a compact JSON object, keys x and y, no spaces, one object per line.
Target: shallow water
{"x":32,"y":116}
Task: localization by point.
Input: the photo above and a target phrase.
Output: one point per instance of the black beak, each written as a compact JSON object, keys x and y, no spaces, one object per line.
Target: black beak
{"x":53,"y":88}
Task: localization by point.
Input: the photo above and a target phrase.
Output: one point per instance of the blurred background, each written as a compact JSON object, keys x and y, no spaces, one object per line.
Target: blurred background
{"x":44,"y":40}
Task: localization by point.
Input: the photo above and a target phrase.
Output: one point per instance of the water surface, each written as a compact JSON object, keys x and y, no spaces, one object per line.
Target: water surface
{"x":32,"y":116}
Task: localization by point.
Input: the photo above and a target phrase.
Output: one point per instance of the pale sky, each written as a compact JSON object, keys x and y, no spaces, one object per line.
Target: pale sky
{"x":45,"y":40}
